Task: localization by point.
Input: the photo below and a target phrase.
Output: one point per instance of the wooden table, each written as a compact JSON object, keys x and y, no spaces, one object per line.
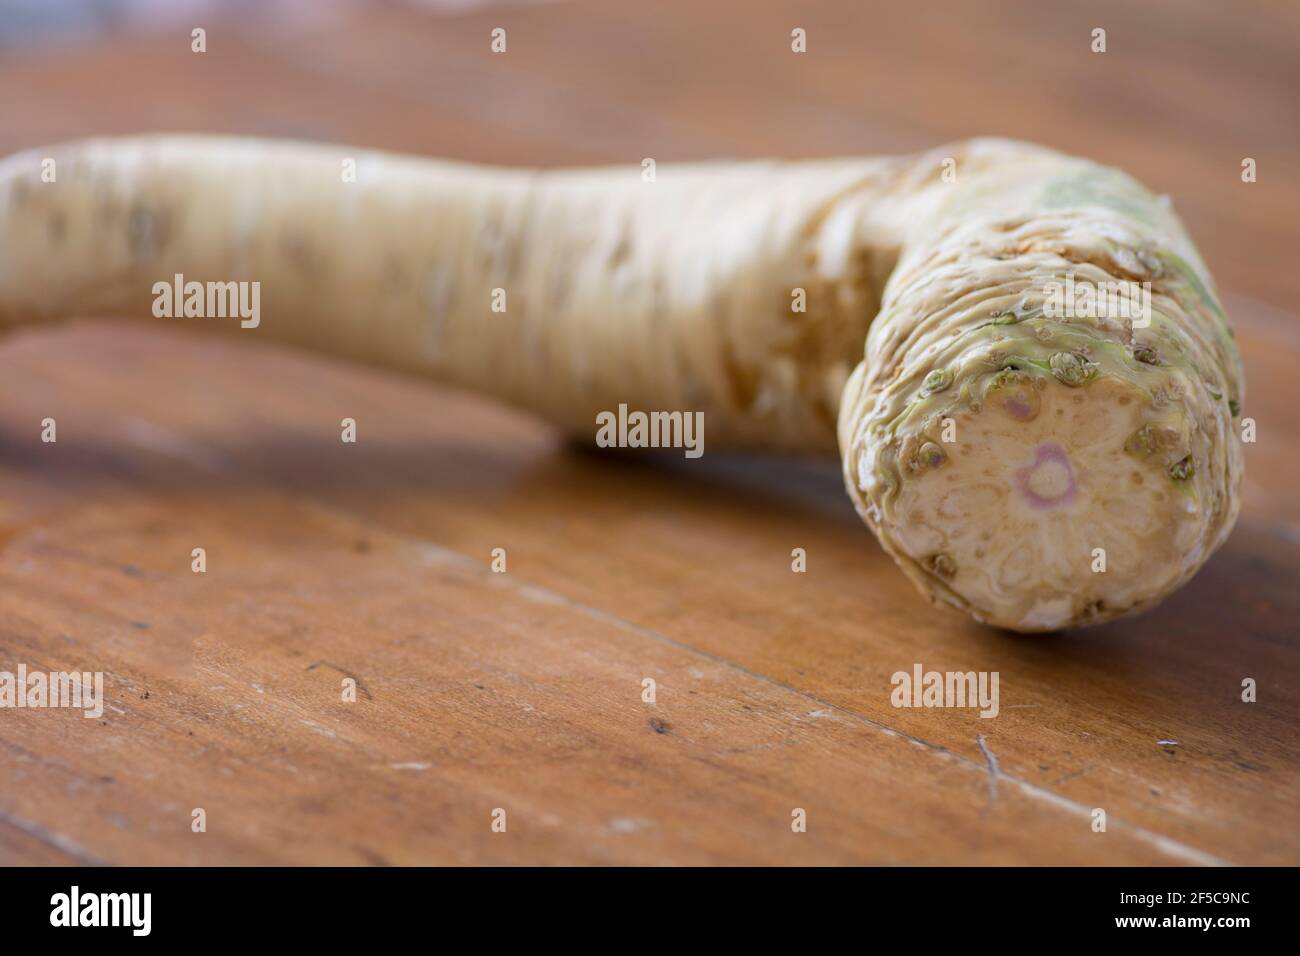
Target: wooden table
{"x":523,"y":691}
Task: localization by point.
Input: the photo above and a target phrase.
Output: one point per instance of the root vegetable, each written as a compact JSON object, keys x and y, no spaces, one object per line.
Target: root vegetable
{"x":1002,"y":449}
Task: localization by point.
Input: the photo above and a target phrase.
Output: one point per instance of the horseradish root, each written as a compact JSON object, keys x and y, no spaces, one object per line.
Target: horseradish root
{"x":1041,"y":431}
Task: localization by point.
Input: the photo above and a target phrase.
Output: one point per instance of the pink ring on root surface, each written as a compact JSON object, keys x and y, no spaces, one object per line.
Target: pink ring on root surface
{"x":1049,"y":481}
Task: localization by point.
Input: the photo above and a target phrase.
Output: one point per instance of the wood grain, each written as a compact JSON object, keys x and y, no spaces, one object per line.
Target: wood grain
{"x":522,"y":690}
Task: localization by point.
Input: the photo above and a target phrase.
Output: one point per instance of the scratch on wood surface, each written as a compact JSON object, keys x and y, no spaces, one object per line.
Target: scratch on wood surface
{"x":1070,"y":776}
{"x":992,"y":762}
{"x":50,"y":838}
{"x":361,"y":685}
{"x":319,"y":728}
{"x":822,"y":714}
{"x":756,"y":748}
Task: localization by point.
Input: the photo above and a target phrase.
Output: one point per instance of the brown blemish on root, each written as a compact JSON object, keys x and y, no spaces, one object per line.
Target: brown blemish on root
{"x":148,"y":231}
{"x":742,"y":382}
{"x":621,"y":252}
{"x":302,"y":255}
{"x":1150,"y":439}
{"x":942,"y":564}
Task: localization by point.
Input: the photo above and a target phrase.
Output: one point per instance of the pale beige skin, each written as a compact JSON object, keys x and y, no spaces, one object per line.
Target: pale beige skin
{"x":1034,"y":441}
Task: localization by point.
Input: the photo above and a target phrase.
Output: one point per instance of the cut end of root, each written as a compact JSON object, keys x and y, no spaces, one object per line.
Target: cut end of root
{"x":1041,"y":511}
